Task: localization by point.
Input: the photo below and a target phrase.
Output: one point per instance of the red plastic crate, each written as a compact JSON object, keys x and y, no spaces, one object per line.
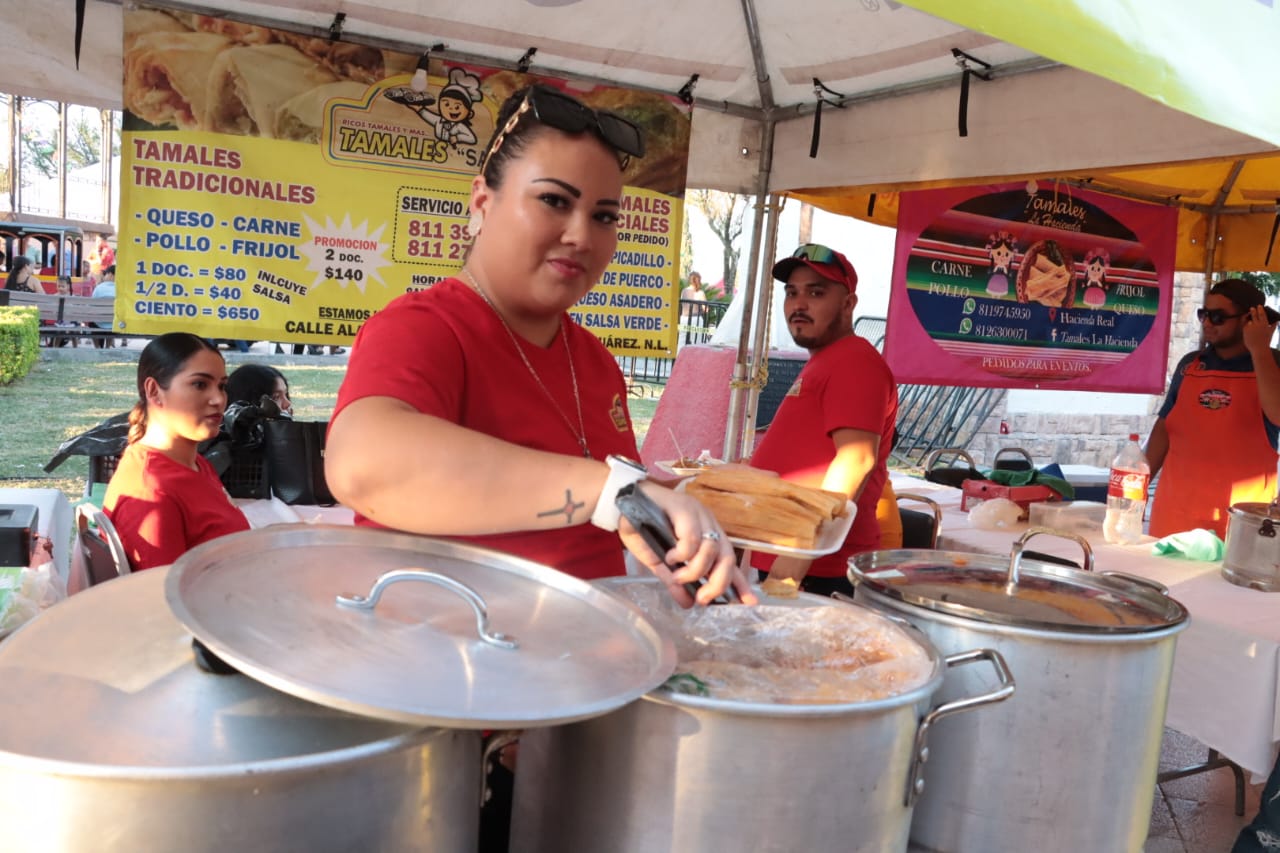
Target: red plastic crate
{"x":976,"y":491}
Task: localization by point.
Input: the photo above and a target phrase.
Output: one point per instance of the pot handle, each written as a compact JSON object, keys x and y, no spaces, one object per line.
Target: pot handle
{"x":494,"y":742}
{"x":469,"y":595}
{"x":1135,"y":580}
{"x":1015,"y":557}
{"x":920,"y":752}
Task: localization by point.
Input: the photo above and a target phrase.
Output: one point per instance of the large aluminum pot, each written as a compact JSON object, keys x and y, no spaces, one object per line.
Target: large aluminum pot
{"x":113,"y":739}
{"x":1252,"y":557}
{"x":1069,"y":763}
{"x":672,"y":772}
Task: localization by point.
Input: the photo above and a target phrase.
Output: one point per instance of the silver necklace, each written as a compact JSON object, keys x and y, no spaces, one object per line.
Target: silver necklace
{"x":581,"y":432}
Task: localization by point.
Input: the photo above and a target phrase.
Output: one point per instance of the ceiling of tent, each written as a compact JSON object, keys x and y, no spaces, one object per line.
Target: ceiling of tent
{"x":891,"y":66}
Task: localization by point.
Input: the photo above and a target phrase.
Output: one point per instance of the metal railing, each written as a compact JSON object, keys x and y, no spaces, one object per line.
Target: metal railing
{"x":698,"y":322}
{"x":932,"y":416}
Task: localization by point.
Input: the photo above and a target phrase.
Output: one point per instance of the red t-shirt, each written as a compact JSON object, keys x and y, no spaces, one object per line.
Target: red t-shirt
{"x":845,"y":385}
{"x":161,"y":508}
{"x":445,"y":352}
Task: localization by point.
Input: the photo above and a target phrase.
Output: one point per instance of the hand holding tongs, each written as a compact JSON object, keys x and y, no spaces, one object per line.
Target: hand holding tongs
{"x":655,"y":528}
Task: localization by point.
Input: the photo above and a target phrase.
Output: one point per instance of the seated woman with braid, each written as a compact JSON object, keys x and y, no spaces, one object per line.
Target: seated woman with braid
{"x":165,"y":498}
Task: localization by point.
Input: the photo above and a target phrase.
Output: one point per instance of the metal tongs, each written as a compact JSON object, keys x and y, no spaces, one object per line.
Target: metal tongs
{"x":655,"y":528}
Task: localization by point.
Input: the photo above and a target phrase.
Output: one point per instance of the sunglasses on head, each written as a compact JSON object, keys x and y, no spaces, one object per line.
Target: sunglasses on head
{"x":558,"y":110}
{"x":1215,"y":316}
{"x":820,"y":255}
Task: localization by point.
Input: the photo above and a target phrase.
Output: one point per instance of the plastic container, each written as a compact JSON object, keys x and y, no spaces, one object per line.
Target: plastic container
{"x":1080,"y":517}
{"x":1126,"y":494}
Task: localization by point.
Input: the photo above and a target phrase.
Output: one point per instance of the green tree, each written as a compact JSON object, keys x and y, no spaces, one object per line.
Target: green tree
{"x":39,"y":152}
{"x":84,"y":145}
{"x":725,"y":213}
{"x":84,"y":142}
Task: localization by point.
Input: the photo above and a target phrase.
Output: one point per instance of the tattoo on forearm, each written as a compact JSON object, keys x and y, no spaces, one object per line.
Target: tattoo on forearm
{"x":567,"y":509}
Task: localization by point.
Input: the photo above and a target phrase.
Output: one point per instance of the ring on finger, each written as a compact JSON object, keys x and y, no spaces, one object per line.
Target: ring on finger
{"x":711,"y":536}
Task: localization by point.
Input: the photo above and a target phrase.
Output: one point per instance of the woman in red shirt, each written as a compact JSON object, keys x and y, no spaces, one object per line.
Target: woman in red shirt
{"x":165,"y":498}
{"x":479,"y":409}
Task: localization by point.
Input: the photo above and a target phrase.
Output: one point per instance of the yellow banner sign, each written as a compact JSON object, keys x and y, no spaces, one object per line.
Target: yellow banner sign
{"x":278,"y":187}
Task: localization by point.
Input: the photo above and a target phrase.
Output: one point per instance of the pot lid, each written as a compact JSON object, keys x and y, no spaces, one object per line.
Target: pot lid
{"x":1044,"y":595}
{"x":107,"y":681}
{"x":389,"y":625}
{"x":1269,"y":510}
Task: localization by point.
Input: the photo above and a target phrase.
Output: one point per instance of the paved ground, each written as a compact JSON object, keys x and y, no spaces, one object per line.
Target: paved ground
{"x":1196,"y":814}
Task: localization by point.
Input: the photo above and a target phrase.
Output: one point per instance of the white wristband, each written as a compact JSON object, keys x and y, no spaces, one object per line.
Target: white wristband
{"x":622,"y":472}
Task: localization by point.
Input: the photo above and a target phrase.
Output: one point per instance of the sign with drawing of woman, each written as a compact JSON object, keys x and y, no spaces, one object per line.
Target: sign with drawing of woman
{"x":1049,"y":288}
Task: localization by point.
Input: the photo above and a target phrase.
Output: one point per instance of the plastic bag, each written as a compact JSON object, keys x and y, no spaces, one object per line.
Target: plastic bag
{"x":25,"y":592}
{"x":995,"y":514}
{"x":783,"y":655}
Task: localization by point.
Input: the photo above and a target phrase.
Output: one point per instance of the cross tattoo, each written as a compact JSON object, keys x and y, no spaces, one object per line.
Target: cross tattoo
{"x":569,"y":507}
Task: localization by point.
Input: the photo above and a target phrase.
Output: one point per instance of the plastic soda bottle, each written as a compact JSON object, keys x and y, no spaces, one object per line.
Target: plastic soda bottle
{"x":1126,"y":494}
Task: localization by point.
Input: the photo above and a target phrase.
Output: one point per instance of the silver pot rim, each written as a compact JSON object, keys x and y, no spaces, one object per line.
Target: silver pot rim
{"x":974,"y":588}
{"x":879,"y":598}
{"x":803,"y":710}
{"x":308,"y":763}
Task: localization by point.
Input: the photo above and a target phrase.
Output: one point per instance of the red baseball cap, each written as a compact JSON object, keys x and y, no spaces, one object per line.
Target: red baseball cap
{"x":827,"y":263}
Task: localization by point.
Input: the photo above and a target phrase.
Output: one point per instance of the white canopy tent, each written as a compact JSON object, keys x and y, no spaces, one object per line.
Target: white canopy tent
{"x":892,"y":84}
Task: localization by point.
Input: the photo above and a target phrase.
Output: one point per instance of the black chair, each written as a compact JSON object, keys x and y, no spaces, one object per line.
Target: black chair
{"x":100,"y":470}
{"x":1049,"y":558}
{"x":950,"y":475}
{"x":104,"y":558}
{"x":1026,"y":463}
{"x":919,"y":529}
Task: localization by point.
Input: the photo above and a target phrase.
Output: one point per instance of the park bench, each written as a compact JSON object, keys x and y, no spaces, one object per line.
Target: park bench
{"x":71,"y":317}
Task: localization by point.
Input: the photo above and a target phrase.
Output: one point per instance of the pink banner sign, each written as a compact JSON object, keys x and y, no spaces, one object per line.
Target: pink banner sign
{"x":1059,"y":288}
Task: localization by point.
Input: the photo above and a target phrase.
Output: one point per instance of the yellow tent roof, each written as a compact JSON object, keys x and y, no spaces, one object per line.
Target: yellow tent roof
{"x":1237,"y":197}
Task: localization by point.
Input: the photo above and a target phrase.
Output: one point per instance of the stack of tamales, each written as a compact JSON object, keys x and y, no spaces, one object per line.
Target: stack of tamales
{"x":762,"y":506}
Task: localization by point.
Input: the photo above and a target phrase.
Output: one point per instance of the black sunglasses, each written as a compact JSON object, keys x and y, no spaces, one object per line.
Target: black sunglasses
{"x":558,"y":110}
{"x":1216,"y":316}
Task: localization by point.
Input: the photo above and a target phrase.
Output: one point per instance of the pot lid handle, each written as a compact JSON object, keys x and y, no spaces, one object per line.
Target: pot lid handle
{"x":1015,"y":557}
{"x":469,"y":595}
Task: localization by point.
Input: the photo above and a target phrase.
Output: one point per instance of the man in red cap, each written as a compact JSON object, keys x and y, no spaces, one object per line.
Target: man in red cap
{"x":835,"y":426}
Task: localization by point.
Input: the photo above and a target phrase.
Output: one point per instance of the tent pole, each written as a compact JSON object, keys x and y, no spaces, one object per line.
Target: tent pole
{"x":739,"y":387}
{"x":741,"y":402}
{"x":759,"y":360}
{"x":1210,"y":248}
{"x":1211,"y":236}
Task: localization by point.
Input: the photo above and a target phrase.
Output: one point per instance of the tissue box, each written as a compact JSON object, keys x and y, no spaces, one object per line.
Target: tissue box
{"x":1083,"y":517}
{"x":977,"y":491}
{"x":18,"y":526}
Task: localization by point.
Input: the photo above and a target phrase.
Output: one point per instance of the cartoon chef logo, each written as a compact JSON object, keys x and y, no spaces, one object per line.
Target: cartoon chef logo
{"x":455,"y":105}
{"x":1215,"y":399}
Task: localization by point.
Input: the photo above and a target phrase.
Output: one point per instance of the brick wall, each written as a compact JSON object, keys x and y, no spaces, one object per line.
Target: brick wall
{"x":1090,"y":438}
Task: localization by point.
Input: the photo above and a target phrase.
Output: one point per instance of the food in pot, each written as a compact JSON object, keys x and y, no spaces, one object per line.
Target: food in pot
{"x":825,"y":654}
{"x":762,"y":506}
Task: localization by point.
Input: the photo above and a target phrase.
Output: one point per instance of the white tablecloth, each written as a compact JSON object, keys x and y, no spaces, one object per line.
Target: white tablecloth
{"x":1226,"y":671}
{"x":54,"y":520}
{"x":262,"y":513}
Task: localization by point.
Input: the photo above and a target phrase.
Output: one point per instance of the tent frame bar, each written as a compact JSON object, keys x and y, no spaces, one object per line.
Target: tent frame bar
{"x":769,"y":112}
